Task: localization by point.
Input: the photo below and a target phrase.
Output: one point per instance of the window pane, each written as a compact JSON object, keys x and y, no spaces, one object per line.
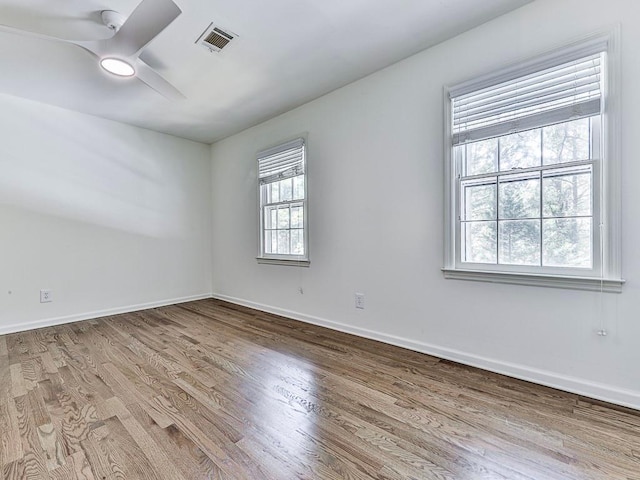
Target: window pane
{"x":519,"y":196}
{"x":267,"y":242}
{"x":567,"y":242}
{"x":566,"y":142}
{"x":479,"y":201}
{"x":286,"y":190}
{"x":519,"y":242}
{"x":566,"y":192}
{"x":298,"y":187}
{"x":283,"y":217}
{"x":520,"y":150}
{"x":271,"y":215}
{"x":297,"y":217}
{"x":274,"y":192}
{"x":272,"y":241}
{"x":283,"y":241}
{"x":482,"y":157}
{"x":297,"y":242}
{"x":479,"y":242}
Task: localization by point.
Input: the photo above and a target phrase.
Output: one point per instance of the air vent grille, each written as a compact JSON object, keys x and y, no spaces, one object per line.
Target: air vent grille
{"x":218,"y":38}
{"x":215,"y":39}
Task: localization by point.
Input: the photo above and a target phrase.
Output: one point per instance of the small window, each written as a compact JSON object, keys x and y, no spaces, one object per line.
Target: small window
{"x":526,"y":174}
{"x":283,"y":204}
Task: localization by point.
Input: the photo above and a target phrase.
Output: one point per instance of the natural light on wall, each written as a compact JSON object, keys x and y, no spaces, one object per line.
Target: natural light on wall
{"x":58,"y":165}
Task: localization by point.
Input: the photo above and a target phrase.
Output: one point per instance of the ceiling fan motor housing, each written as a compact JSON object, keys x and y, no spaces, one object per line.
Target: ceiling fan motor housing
{"x":113,"y":20}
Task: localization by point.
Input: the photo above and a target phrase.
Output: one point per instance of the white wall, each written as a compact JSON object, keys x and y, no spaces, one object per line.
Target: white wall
{"x":376,"y":218}
{"x":108,"y":216}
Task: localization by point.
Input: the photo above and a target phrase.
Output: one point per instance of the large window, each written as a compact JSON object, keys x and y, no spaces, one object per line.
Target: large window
{"x":527,"y":173}
{"x":283,"y":204}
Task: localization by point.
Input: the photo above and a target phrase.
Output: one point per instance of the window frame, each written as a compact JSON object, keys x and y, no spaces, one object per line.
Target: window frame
{"x":283,"y":259}
{"x":606,"y":204}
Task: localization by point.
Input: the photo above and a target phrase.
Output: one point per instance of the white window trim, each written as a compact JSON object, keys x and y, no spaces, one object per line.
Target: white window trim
{"x":611,"y":276}
{"x":290,"y":260}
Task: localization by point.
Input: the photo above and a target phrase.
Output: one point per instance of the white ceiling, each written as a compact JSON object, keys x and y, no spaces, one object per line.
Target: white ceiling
{"x":287,"y":53}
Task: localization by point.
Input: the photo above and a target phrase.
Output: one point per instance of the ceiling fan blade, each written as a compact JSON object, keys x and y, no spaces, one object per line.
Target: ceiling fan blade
{"x":148,"y":19}
{"x":27,"y":33}
{"x":94,"y":46}
{"x":152,"y":78}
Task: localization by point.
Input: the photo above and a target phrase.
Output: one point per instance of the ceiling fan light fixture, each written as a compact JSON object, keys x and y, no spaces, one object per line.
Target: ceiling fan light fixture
{"x":118,"y":67}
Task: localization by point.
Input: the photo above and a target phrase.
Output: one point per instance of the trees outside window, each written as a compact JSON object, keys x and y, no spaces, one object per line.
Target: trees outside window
{"x":526,"y":198}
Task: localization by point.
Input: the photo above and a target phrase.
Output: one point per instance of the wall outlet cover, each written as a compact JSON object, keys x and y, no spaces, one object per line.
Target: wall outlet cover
{"x":360,"y":301}
{"x":46,"y":296}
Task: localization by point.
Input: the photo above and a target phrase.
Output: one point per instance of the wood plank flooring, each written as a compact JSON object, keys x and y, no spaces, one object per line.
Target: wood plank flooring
{"x":209,"y":390}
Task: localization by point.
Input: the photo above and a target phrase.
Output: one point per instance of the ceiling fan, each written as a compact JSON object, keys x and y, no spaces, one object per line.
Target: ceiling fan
{"x":120,"y":54}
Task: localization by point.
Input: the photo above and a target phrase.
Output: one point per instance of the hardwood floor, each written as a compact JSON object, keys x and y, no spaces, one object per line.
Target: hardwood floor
{"x":209,"y":390}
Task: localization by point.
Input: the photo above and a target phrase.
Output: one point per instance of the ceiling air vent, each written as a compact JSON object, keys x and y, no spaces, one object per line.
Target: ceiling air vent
{"x":215,"y":39}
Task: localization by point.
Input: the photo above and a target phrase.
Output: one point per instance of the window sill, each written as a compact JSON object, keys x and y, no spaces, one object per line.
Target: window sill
{"x":283,"y":261}
{"x":555,"y":281}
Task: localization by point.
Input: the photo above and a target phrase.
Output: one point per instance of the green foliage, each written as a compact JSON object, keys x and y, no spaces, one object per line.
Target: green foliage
{"x":539,"y":217}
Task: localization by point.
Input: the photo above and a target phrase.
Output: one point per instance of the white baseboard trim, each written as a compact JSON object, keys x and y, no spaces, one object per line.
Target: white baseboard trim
{"x":579,"y":386}
{"x":50,"y":322}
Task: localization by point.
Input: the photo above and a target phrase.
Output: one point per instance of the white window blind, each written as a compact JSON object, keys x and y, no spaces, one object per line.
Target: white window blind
{"x":284,"y":161}
{"x":563,"y":92}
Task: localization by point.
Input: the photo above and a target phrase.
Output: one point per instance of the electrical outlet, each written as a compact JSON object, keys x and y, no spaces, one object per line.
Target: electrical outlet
{"x":46,"y":296}
{"x":360,"y":301}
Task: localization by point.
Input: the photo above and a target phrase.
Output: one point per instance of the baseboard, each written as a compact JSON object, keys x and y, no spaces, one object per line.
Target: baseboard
{"x":579,"y":386}
{"x":50,"y":322}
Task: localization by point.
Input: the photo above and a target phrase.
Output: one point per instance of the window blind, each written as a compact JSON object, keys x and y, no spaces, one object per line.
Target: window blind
{"x":563,"y":92}
{"x":283,"y":161}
